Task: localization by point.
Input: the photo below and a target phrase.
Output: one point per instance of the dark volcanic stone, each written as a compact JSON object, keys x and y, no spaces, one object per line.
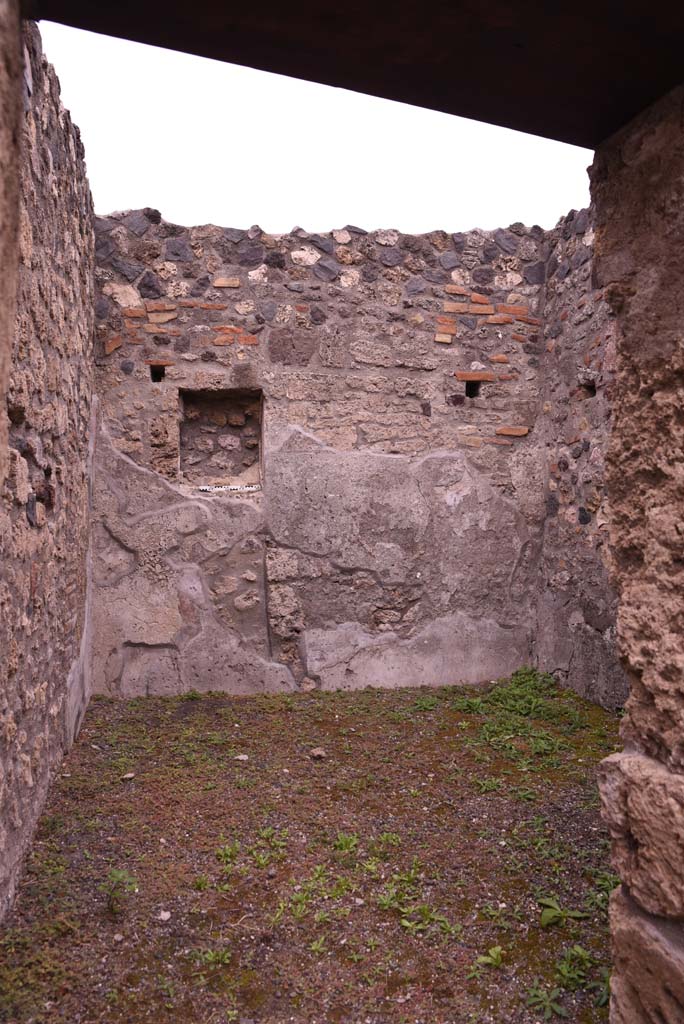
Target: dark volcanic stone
{"x":563,"y":270}
{"x":126,"y":268}
{"x":489,"y":251}
{"x":149,"y":286}
{"x":370,"y":273}
{"x":581,"y":222}
{"x":104,"y":247}
{"x":137,"y":222}
{"x":449,"y":260}
{"x":483,"y":275}
{"x":581,"y":256}
{"x":506,"y":241}
{"x":391,"y":257}
{"x":178,"y":250}
{"x":535,"y":273}
{"x":415,"y":286}
{"x":234,"y":235}
{"x":324,"y":244}
{"x":127,"y":366}
{"x":552,"y":504}
{"x":250,"y":254}
{"x":326,"y":269}
{"x":318,"y":316}
{"x":103,"y":307}
{"x":436,"y":276}
{"x":275,"y":259}
{"x":154,"y":216}
{"x":459,"y":241}
{"x":468,"y":321}
{"x":268,"y":310}
{"x":584,"y":516}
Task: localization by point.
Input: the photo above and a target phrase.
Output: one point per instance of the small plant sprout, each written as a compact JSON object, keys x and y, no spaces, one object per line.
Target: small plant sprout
{"x":492,"y":958}
{"x":546,"y":1001}
{"x":552,"y":913}
{"x":119,"y":885}
{"x":346,"y":843}
{"x":572,"y":968}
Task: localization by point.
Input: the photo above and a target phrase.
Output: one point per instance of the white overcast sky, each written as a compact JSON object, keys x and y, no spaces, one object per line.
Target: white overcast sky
{"x":206,"y":142}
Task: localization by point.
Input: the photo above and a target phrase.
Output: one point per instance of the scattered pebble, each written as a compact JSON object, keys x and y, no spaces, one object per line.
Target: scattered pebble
{"x":318,"y":754}
{"x":241,"y":757}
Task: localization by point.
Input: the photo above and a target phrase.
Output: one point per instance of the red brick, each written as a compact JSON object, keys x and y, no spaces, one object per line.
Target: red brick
{"x":455,"y":289}
{"x":497,"y":440}
{"x":535,"y":321}
{"x":467,"y":307}
{"x":482,"y":300}
{"x":499,"y":318}
{"x":498,"y":358}
{"x":484,"y":375}
{"x":513,"y":310}
{"x":111,"y":344}
{"x":445,"y":325}
{"x":159,"y":306}
{"x":161,"y":329}
{"x":519,"y":337}
{"x":163,"y":317}
{"x":160,"y":362}
{"x":133,"y":311}
{"x":507,"y":376}
{"x":513,"y":431}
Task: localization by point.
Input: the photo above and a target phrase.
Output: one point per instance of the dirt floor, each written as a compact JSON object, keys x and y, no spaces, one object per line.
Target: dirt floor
{"x":431,"y":856}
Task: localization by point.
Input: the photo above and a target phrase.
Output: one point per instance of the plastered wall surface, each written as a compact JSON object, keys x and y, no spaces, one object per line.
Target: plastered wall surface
{"x":407,"y":529}
{"x":44,"y":499}
{"x":397,"y":534}
{"x":638,"y":186}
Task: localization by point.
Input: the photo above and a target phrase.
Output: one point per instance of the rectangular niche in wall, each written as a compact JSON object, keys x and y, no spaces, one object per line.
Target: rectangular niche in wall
{"x":220,"y":437}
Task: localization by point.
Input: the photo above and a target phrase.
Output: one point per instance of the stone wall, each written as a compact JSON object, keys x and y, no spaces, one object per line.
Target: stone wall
{"x":413,"y":524}
{"x":10,"y":101}
{"x":576,"y":634}
{"x":638,"y":186}
{"x":43,"y":504}
{"x":397,"y":532}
